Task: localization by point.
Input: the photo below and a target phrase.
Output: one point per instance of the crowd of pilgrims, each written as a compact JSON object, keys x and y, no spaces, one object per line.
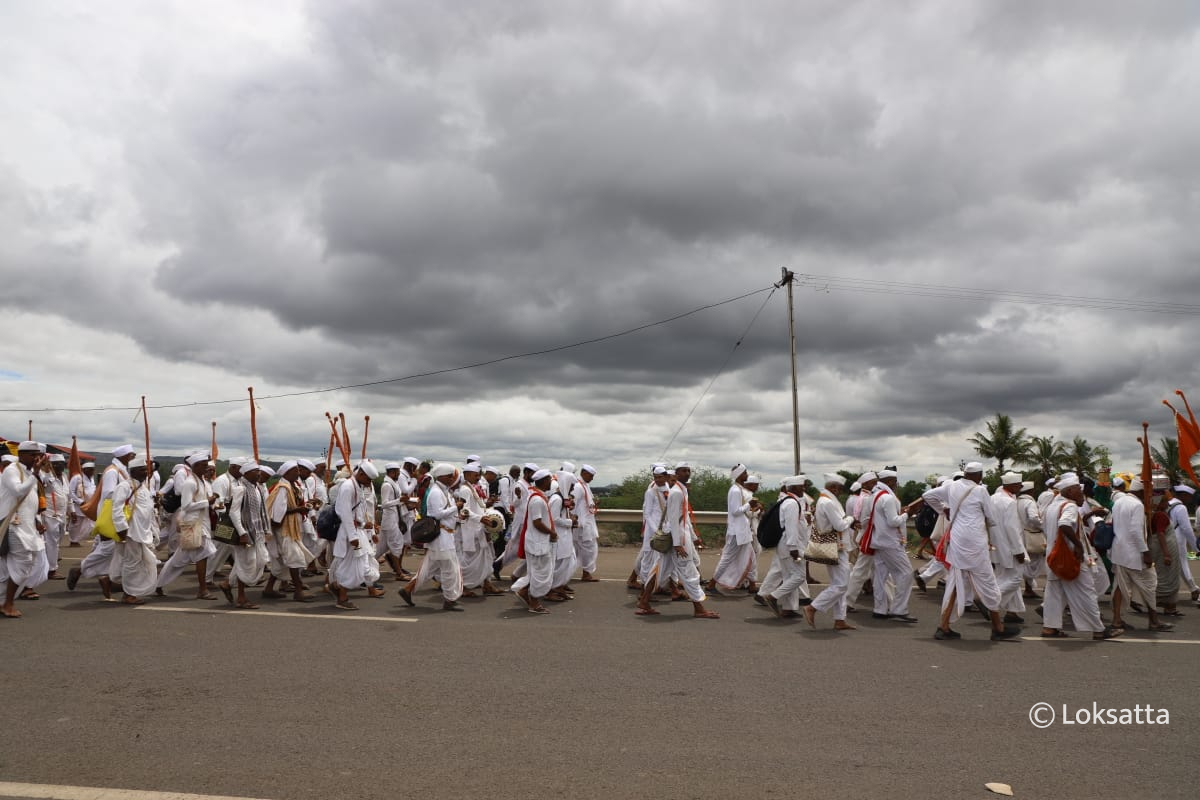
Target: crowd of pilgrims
{"x":274,"y":528}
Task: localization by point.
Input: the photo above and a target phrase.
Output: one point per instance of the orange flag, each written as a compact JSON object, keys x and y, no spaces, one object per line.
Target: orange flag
{"x":73,"y":466}
{"x":1147,"y":470}
{"x":1188,"y":435}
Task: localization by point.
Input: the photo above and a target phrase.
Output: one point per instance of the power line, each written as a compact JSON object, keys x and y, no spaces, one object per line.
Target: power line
{"x":721,"y":369}
{"x":414,"y":376}
{"x":878,"y":286}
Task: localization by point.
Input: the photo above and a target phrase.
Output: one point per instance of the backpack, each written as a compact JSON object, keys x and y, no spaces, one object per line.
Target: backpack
{"x":926,"y":521}
{"x":171,"y":501}
{"x":328,"y":523}
{"x":1103,"y":535}
{"x":770,"y":529}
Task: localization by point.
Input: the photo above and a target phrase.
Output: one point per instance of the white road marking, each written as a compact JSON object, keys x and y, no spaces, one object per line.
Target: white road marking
{"x":244,"y":612}
{"x":50,"y":792}
{"x":1118,"y":640}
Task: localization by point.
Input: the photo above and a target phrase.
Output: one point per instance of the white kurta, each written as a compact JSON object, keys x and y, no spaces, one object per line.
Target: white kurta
{"x":138,"y":568}
{"x":738,"y":555}
{"x":441,"y":556}
{"x":585,"y":535}
{"x":25,"y":564}
{"x":353,"y":550}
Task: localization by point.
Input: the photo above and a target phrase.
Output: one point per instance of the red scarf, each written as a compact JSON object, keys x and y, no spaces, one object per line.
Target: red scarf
{"x":864,"y":544}
{"x":533,"y":492}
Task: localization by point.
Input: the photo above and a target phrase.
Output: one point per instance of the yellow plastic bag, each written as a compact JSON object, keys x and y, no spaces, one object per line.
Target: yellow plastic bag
{"x":104,"y":522}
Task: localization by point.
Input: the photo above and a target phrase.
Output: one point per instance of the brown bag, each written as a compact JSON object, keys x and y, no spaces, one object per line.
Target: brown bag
{"x":91,"y":506}
{"x":1061,"y":560}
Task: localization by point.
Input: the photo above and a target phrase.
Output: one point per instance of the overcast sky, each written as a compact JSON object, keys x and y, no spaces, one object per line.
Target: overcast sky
{"x":200,"y":197}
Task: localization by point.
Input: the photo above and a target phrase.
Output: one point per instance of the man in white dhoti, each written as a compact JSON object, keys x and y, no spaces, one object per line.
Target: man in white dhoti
{"x":564,"y":546}
{"x":521,"y":492}
{"x":934,"y":569}
{"x":971,"y":515}
{"x":537,"y":541}
{"x":441,"y":558}
{"x":784,"y":599}
{"x":1008,"y":546}
{"x":472,"y":540}
{"x":1133,"y":566}
{"x":1181,"y":523}
{"x":80,"y":487}
{"x":1047,"y":496}
{"x":679,"y":562}
{"x":737,"y":556}
{"x":248,"y":516}
{"x":1035,"y":538}
{"x":887,"y":535}
{"x":54,"y":517}
{"x":585,"y":535}
{"x":864,"y":563}
{"x":391,"y":537}
{"x":829,"y":516}
{"x":654,"y":516}
{"x":104,"y":560}
{"x":318,"y":495}
{"x":23,"y":564}
{"x":134,"y":553}
{"x":287,"y":509}
{"x":354,"y":562}
{"x":222,"y":487}
{"x":196,"y":500}
{"x":1063,"y":519}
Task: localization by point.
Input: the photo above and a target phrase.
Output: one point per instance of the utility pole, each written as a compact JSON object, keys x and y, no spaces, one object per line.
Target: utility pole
{"x":789,"y":278}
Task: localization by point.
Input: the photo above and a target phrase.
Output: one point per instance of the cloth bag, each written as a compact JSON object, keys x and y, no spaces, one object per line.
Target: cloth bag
{"x":191,"y":534}
{"x":104,"y":523}
{"x":822,"y":547}
{"x":1061,"y":560}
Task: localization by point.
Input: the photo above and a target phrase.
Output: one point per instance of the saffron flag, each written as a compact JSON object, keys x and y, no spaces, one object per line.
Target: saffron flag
{"x":73,"y":466}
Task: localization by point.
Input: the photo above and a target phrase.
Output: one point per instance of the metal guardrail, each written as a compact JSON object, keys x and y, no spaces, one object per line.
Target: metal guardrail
{"x":635,"y":515}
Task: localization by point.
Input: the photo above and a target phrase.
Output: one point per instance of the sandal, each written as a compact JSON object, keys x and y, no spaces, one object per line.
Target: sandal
{"x":247,"y":604}
{"x":206,"y":596}
{"x":346,"y":606}
{"x":706,"y":615}
{"x":1054,"y":633}
{"x":1162,"y":627}
{"x":134,"y":601}
{"x":30,"y":594}
{"x":1108,"y":633}
{"x":647,"y":612}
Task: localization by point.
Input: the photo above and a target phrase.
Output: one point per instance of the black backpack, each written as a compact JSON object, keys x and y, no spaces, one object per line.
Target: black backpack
{"x":328,"y":523}
{"x":171,"y":501}
{"x":926,"y":521}
{"x":770,"y":529}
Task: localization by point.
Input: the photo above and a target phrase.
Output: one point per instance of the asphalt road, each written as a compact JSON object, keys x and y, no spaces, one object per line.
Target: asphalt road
{"x":588,"y":701}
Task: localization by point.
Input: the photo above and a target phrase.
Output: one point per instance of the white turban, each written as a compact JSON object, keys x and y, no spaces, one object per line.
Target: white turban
{"x":1067,"y":481}
{"x":833,"y":477}
{"x":442,"y":469}
{"x":365,"y":467}
{"x":196,"y":458}
{"x":411,"y":461}
{"x":290,"y":465}
{"x":754,"y":479}
{"x":492,"y":470}
{"x":856,"y":487}
{"x":140,"y":461}
{"x":540,"y":474}
{"x":973,"y":466}
{"x":660,"y":470}
{"x":1011,"y":479}
{"x":886,"y":473}
{"x":683,"y":465}
{"x":867,"y":477}
{"x":29,"y":447}
{"x":588,"y":468}
{"x":123,"y":450}
{"x":737,"y":471}
{"x":57,"y":458}
{"x":8,"y":458}
{"x":567,"y":466}
{"x":532,"y":467}
{"x":308,"y":465}
{"x":794,"y":480}
{"x":391,"y":465}
{"x":1182,"y":489}
{"x":1136,"y":485}
{"x":1118,"y":482}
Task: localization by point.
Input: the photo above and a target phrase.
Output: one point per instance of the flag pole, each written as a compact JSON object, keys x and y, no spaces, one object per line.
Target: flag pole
{"x":253,"y":426}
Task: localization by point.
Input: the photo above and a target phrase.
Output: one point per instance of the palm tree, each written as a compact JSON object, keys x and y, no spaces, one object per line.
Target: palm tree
{"x":1082,"y":457}
{"x":1167,"y":457}
{"x":1045,"y":453}
{"x":1000,"y":442}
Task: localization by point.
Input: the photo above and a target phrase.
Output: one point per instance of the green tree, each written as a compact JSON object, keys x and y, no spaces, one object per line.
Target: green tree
{"x":1002,"y":441}
{"x":1082,"y":457}
{"x":1045,"y":453}
{"x":1166,"y":455}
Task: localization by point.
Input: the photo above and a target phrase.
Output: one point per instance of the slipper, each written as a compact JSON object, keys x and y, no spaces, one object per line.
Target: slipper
{"x":706,"y":615}
{"x":1161,"y":613}
{"x":227,"y":590}
{"x":109,"y":600}
{"x":247,"y":604}
{"x":134,"y":601}
{"x":206,"y":596}
{"x":1108,"y":633}
{"x":1055,"y":635}
{"x":29,"y":594}
{"x":347,"y":606}
{"x":1162,"y":627}
{"x":304,"y":598}
{"x":647,"y":612}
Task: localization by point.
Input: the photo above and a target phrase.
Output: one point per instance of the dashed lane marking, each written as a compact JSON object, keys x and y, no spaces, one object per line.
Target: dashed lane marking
{"x":244,"y":612}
